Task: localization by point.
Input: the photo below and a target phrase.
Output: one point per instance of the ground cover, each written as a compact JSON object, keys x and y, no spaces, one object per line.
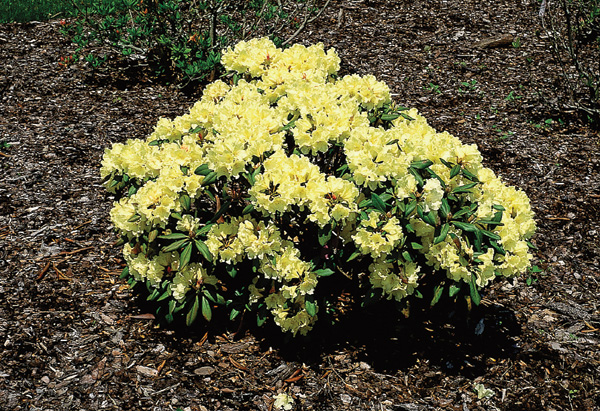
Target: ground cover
{"x":72,"y":337}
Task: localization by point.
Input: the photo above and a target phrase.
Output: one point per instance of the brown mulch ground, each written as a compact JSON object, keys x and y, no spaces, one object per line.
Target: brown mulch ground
{"x":72,"y":337}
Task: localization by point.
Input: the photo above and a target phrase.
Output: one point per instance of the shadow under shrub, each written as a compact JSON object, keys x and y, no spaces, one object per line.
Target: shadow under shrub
{"x":290,"y":194}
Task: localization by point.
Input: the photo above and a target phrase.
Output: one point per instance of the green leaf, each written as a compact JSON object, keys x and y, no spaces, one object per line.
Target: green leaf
{"x":469,"y":175}
{"x":154,"y":295}
{"x":231,"y":270}
{"x":461,"y":212}
{"x":166,"y":294}
{"x":134,"y":218}
{"x":421,"y":164}
{"x":353,"y":256}
{"x":256,"y":171}
{"x":430,"y":219}
{"x":289,"y":125}
{"x":202,"y":170}
{"x":324,"y":234}
{"x":175,"y":246}
{"x":410,"y":207}
{"x":498,"y":207}
{"x":172,"y":304}
{"x":193,"y":312}
{"x":475,"y":297}
{"x":233,"y":314}
{"x":490,"y":222}
{"x":324,"y":272}
{"x":455,"y":171}
{"x":210,"y":178}
{"x":417,"y":176}
{"x":124,"y":273}
{"x":152,"y":235}
{"x":342,"y":170}
{"x":491,"y":235}
{"x":185,"y":256}
{"x":497,"y":247}
{"x":416,"y":246}
{"x":261,"y":316}
{"x":464,"y":226}
{"x":186,"y":202}
{"x":221,"y":211}
{"x":203,"y":248}
{"x":310,"y":305}
{"x":454,"y":289}
{"x":443,"y":232}
{"x":378,"y":202}
{"x":213,"y":296}
{"x":174,"y":236}
{"x":445,"y":208}
{"x":249,"y":178}
{"x":204,"y":229}
{"x":464,"y":188}
{"x":446,"y":163}
{"x":437,"y":293}
{"x":389,"y":117}
{"x":535,"y":269}
{"x":478,"y":240}
{"x":206,"y":310}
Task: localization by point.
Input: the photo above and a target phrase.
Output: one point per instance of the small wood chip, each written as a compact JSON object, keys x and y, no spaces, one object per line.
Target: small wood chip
{"x":234,"y":348}
{"x":502,"y":40}
{"x":146,"y":371}
{"x":203,"y":371}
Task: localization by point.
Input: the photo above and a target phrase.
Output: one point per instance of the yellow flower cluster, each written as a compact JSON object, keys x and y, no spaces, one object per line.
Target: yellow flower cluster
{"x":375,"y":239}
{"x":151,"y":269}
{"x":243,"y":237}
{"x":273,"y":127}
{"x":395,"y":281}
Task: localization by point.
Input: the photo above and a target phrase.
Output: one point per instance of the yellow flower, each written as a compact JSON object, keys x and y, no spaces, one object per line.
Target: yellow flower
{"x":283,"y":402}
{"x":397,"y":281}
{"x":378,"y":241}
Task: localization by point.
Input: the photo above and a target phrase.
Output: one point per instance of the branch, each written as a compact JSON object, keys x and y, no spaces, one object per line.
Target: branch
{"x":306,"y":20}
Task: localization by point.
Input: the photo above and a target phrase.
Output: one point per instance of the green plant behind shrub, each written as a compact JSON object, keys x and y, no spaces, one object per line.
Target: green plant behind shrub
{"x":574,"y":28}
{"x":22,"y":11}
{"x":288,"y":187}
{"x":182,"y":39}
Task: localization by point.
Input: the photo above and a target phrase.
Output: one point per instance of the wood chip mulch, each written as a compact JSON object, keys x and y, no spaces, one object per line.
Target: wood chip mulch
{"x":72,"y":337}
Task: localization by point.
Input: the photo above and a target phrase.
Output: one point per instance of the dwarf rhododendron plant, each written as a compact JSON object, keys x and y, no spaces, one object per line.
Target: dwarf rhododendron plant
{"x":288,"y":185}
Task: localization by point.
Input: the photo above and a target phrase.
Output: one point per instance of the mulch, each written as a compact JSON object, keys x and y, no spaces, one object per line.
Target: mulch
{"x":73,"y":337}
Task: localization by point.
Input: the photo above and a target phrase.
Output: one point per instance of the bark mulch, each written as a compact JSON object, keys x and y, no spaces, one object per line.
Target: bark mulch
{"x":72,"y":336}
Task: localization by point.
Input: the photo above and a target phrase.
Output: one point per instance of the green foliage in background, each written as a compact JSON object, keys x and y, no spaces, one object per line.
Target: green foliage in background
{"x":574,"y":29}
{"x":180,"y":40}
{"x":22,"y":11}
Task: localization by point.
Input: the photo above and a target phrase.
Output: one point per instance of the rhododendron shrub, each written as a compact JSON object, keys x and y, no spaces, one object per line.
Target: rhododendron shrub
{"x":288,"y":185}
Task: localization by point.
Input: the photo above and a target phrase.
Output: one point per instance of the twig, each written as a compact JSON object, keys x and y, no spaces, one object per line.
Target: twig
{"x":81,"y":225}
{"x":306,"y":20}
{"x":75,"y":251}
{"x":43,"y":272}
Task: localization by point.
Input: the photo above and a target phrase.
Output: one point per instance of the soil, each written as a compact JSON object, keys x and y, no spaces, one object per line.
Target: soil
{"x":73,"y":337}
